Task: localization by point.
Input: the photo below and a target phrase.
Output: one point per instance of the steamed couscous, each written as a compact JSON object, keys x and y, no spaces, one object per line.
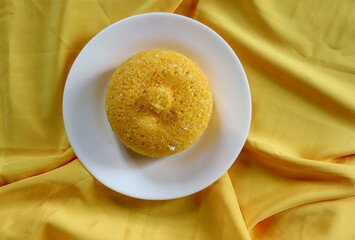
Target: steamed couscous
{"x":158,"y":102}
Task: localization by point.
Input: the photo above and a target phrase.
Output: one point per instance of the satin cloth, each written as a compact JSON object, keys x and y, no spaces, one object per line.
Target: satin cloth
{"x":294,"y":179}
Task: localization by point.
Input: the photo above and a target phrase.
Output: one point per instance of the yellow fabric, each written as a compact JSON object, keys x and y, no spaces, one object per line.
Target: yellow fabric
{"x":295,"y":178}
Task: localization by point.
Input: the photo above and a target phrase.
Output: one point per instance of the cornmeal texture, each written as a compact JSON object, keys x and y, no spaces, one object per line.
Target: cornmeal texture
{"x":158,"y":102}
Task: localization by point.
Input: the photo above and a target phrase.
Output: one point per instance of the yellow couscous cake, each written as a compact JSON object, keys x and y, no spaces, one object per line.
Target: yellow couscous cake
{"x":158,"y":102}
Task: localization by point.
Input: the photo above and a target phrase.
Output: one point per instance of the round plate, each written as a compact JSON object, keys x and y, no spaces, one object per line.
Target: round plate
{"x":101,"y":152}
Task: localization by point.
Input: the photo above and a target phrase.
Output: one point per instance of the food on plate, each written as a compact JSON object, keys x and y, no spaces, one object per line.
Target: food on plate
{"x":158,"y":102}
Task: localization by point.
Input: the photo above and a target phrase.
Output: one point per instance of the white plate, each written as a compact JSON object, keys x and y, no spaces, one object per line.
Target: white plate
{"x":162,"y":178}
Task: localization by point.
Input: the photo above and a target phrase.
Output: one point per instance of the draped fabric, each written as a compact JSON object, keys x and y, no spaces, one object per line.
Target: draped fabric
{"x":294,"y":179}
